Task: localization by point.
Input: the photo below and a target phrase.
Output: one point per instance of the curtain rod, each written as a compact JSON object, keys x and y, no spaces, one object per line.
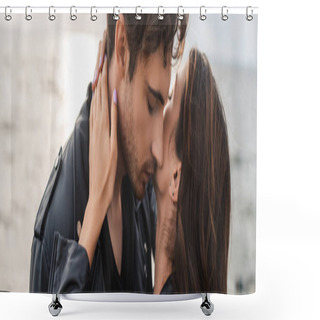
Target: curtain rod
{"x":134,"y":10}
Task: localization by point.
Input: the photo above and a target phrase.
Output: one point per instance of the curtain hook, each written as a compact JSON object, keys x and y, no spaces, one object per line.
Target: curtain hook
{"x":116,"y":14}
{"x":7,"y":16}
{"x":73,"y":16}
{"x":249,"y":17}
{"x":52,"y":17}
{"x":180,"y":12}
{"x":28,"y":15}
{"x":160,"y":15}
{"x":224,"y":13}
{"x":203,"y":13}
{"x":93,"y":17}
{"x":138,"y":16}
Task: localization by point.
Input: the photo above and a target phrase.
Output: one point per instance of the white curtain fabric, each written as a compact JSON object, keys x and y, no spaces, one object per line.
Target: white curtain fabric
{"x":44,"y":72}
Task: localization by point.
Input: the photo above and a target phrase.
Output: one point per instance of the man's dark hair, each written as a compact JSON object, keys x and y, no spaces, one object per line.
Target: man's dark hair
{"x":145,"y":36}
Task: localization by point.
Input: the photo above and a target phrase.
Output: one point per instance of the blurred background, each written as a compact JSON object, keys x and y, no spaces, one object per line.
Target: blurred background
{"x":44,"y":73}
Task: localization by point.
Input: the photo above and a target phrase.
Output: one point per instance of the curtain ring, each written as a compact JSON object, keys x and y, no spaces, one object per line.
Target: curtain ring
{"x":203,"y":13}
{"x":52,"y":17}
{"x":224,"y":13}
{"x":73,"y":16}
{"x":249,"y":17}
{"x":93,"y":17}
{"x":28,"y":15}
{"x":7,"y":16}
{"x":160,"y":15}
{"x":180,"y":14}
{"x":138,"y":16}
{"x":115,"y":15}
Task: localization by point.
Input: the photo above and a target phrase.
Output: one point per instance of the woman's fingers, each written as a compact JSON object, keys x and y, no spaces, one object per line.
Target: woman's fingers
{"x":93,"y":109}
{"x":104,"y":40}
{"x":99,"y":101}
{"x":114,"y":117}
{"x":100,"y":60}
{"x":104,"y":95}
{"x":96,"y":70}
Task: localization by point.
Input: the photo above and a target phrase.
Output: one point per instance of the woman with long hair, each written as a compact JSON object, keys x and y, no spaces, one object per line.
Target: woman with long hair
{"x":192,"y":186}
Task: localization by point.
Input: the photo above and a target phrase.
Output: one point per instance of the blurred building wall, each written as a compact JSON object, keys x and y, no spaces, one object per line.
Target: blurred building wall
{"x":44,"y":72}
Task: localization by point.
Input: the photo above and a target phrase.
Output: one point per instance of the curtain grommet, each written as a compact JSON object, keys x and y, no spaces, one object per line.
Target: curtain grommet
{"x":93,"y":17}
{"x":249,"y":17}
{"x":28,"y":16}
{"x":7,"y":16}
{"x":160,"y":15}
{"x":224,"y":13}
{"x":73,"y":16}
{"x":116,"y":14}
{"x":138,"y":14}
{"x":203,"y":13}
{"x":180,"y":13}
{"x":52,"y":17}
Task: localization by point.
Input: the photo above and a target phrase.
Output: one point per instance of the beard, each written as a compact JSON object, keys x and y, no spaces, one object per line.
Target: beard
{"x":128,"y":142}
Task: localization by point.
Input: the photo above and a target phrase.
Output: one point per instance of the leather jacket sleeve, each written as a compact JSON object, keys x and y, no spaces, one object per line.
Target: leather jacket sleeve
{"x":58,"y":263}
{"x":70,"y":269}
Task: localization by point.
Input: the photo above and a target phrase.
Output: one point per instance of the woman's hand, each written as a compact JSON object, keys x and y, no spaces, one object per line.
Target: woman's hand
{"x":100,"y":60}
{"x":103,"y":156}
{"x":103,"y":148}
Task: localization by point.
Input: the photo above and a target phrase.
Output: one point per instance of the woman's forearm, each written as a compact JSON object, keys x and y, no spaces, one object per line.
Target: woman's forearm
{"x":91,"y":228}
{"x":163,"y":263}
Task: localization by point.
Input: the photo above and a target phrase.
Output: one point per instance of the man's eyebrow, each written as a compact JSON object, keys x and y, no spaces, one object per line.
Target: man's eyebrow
{"x":156,"y":94}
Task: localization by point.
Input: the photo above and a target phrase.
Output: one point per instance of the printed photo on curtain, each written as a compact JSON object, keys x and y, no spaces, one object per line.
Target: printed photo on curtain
{"x":128,"y":154}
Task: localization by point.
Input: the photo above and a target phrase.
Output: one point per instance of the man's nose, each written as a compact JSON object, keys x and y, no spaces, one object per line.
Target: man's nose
{"x":157,"y":144}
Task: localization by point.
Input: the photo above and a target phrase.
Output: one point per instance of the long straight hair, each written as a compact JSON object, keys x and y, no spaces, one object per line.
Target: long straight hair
{"x":203,"y":208}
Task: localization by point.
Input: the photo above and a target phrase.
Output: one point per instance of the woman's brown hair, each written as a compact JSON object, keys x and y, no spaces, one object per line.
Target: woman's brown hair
{"x":203,"y":209}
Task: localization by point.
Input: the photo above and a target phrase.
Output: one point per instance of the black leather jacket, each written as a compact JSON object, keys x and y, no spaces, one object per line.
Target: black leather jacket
{"x":58,"y":263}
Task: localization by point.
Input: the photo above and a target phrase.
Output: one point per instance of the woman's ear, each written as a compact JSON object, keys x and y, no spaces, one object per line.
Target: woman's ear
{"x":174,"y":183}
{"x":121,"y":47}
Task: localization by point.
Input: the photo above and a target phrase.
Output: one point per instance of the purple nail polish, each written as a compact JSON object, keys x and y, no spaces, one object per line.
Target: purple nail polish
{"x":115,"y":96}
{"x":100,"y":62}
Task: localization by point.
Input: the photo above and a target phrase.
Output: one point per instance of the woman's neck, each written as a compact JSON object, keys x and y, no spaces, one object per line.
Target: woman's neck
{"x":165,"y":238}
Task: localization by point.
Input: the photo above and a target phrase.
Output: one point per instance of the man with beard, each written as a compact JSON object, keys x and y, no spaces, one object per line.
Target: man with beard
{"x":99,"y":238}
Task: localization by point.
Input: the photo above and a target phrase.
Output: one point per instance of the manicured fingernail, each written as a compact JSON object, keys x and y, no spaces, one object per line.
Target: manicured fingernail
{"x":115,"y":96}
{"x":100,"y":62}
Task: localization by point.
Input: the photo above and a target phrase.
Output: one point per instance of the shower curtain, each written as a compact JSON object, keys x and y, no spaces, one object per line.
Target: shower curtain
{"x":186,"y":99}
